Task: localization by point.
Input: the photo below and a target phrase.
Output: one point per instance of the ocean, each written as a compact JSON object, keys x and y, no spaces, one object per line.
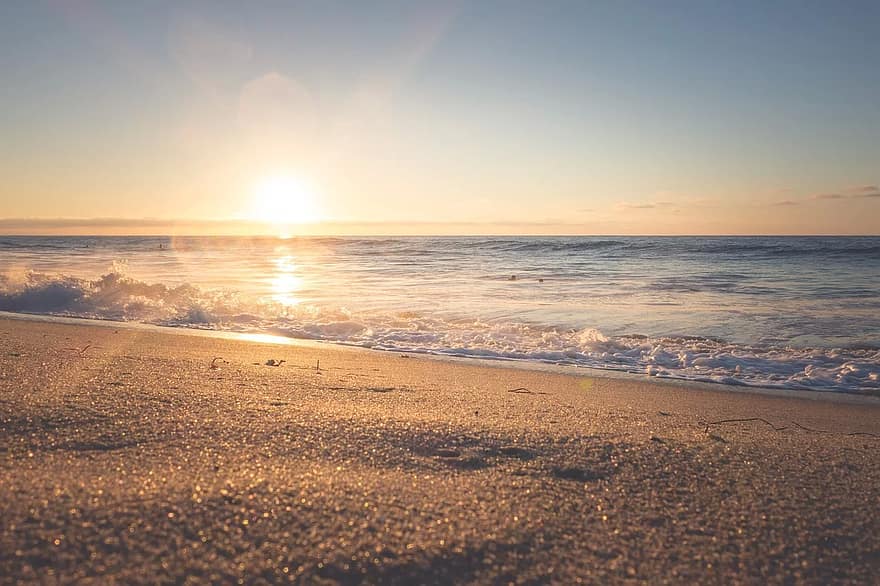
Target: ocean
{"x":781,"y":312}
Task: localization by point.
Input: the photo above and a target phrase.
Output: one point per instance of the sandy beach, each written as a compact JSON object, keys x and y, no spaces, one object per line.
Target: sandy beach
{"x":137,"y":456}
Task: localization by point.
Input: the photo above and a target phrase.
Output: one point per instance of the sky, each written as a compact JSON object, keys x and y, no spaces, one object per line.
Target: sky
{"x":469,"y":117}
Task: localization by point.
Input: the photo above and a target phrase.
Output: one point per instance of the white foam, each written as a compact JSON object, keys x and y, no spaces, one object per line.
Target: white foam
{"x":118,"y":297}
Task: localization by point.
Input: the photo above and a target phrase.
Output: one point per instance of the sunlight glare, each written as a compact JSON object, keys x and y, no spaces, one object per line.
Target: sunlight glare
{"x":283,"y":200}
{"x":285,"y":282}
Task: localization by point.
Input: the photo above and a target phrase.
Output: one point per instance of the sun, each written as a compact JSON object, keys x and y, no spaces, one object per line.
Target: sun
{"x":284,"y":200}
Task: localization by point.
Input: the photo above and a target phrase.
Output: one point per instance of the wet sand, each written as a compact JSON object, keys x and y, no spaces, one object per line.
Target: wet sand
{"x":125,"y":456}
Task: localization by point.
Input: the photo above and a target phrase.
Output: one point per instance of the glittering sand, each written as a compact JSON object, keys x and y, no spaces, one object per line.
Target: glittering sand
{"x":125,"y":456}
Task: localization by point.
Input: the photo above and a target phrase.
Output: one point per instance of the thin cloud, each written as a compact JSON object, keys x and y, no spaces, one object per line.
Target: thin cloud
{"x":860,"y":192}
{"x":85,"y":222}
{"x":702,"y":201}
{"x":645,"y":205}
{"x":182,"y":226}
{"x":786,"y":202}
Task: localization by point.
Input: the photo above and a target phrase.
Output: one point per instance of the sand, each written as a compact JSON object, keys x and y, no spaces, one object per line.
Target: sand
{"x":124,"y":456}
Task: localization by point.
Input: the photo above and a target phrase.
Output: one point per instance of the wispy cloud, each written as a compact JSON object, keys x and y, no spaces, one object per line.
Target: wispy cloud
{"x":860,"y":192}
{"x":650,"y":205}
{"x":702,"y":202}
{"x":180,"y":227}
{"x":786,"y":202}
{"x":868,"y":190}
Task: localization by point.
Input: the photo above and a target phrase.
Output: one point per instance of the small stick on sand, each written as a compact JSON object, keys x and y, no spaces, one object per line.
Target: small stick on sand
{"x":761,"y":419}
{"x":214,"y":363}
{"x":805,"y":428}
{"x":864,"y":433}
{"x":525,"y":391}
{"x":795,"y":423}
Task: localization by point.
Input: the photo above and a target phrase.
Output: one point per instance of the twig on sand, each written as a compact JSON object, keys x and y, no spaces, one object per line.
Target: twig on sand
{"x":525,"y":391}
{"x":864,"y":433}
{"x":318,"y":365}
{"x":761,"y":419}
{"x":214,"y":363}
{"x":273,"y":362}
{"x":795,"y":423}
{"x":805,"y":428}
{"x":86,"y":347}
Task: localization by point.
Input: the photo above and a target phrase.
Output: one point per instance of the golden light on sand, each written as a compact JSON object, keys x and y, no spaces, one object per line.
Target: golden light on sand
{"x":283,"y":200}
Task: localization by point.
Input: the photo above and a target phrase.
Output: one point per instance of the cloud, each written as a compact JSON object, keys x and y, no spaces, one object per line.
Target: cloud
{"x":860,"y":192}
{"x":786,"y":202}
{"x":188,"y":227}
{"x":703,"y":201}
{"x":128,"y":226}
{"x":626,"y":205}
{"x":81,"y":222}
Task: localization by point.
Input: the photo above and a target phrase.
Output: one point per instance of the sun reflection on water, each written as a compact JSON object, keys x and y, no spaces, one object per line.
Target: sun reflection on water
{"x":285,"y":282}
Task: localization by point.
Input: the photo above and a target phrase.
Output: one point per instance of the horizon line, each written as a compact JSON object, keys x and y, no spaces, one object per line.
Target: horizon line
{"x":35,"y":226}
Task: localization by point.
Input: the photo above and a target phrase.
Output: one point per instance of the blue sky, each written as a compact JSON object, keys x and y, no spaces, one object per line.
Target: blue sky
{"x":596,"y":117}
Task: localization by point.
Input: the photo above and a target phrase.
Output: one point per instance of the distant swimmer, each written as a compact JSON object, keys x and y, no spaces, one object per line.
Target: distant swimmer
{"x":540,"y":280}
{"x":512,"y":278}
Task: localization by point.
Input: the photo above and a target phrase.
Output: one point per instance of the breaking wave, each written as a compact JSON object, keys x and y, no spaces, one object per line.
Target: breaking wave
{"x":115,"y":296}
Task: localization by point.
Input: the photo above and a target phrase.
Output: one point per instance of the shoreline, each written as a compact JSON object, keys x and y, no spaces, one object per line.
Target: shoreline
{"x":504,"y":363}
{"x":141,"y":456}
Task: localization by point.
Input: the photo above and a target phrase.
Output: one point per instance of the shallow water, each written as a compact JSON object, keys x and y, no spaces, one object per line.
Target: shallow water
{"x":787,"y":312}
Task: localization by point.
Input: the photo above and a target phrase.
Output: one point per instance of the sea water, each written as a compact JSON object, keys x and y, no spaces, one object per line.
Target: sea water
{"x":785,"y":312}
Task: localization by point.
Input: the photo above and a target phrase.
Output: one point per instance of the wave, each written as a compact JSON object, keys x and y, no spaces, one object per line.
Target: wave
{"x":780,"y":248}
{"x":28,"y":245}
{"x":679,"y":246}
{"x":112,"y":296}
{"x":577,"y":245}
{"x":758,"y":248}
{"x":116,"y":296}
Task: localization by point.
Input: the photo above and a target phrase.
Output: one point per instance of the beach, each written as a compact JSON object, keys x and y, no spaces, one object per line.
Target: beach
{"x":792,"y":313}
{"x":131,"y":455}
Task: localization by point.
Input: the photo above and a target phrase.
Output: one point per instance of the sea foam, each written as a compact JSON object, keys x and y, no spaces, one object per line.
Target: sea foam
{"x":116,"y":296}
